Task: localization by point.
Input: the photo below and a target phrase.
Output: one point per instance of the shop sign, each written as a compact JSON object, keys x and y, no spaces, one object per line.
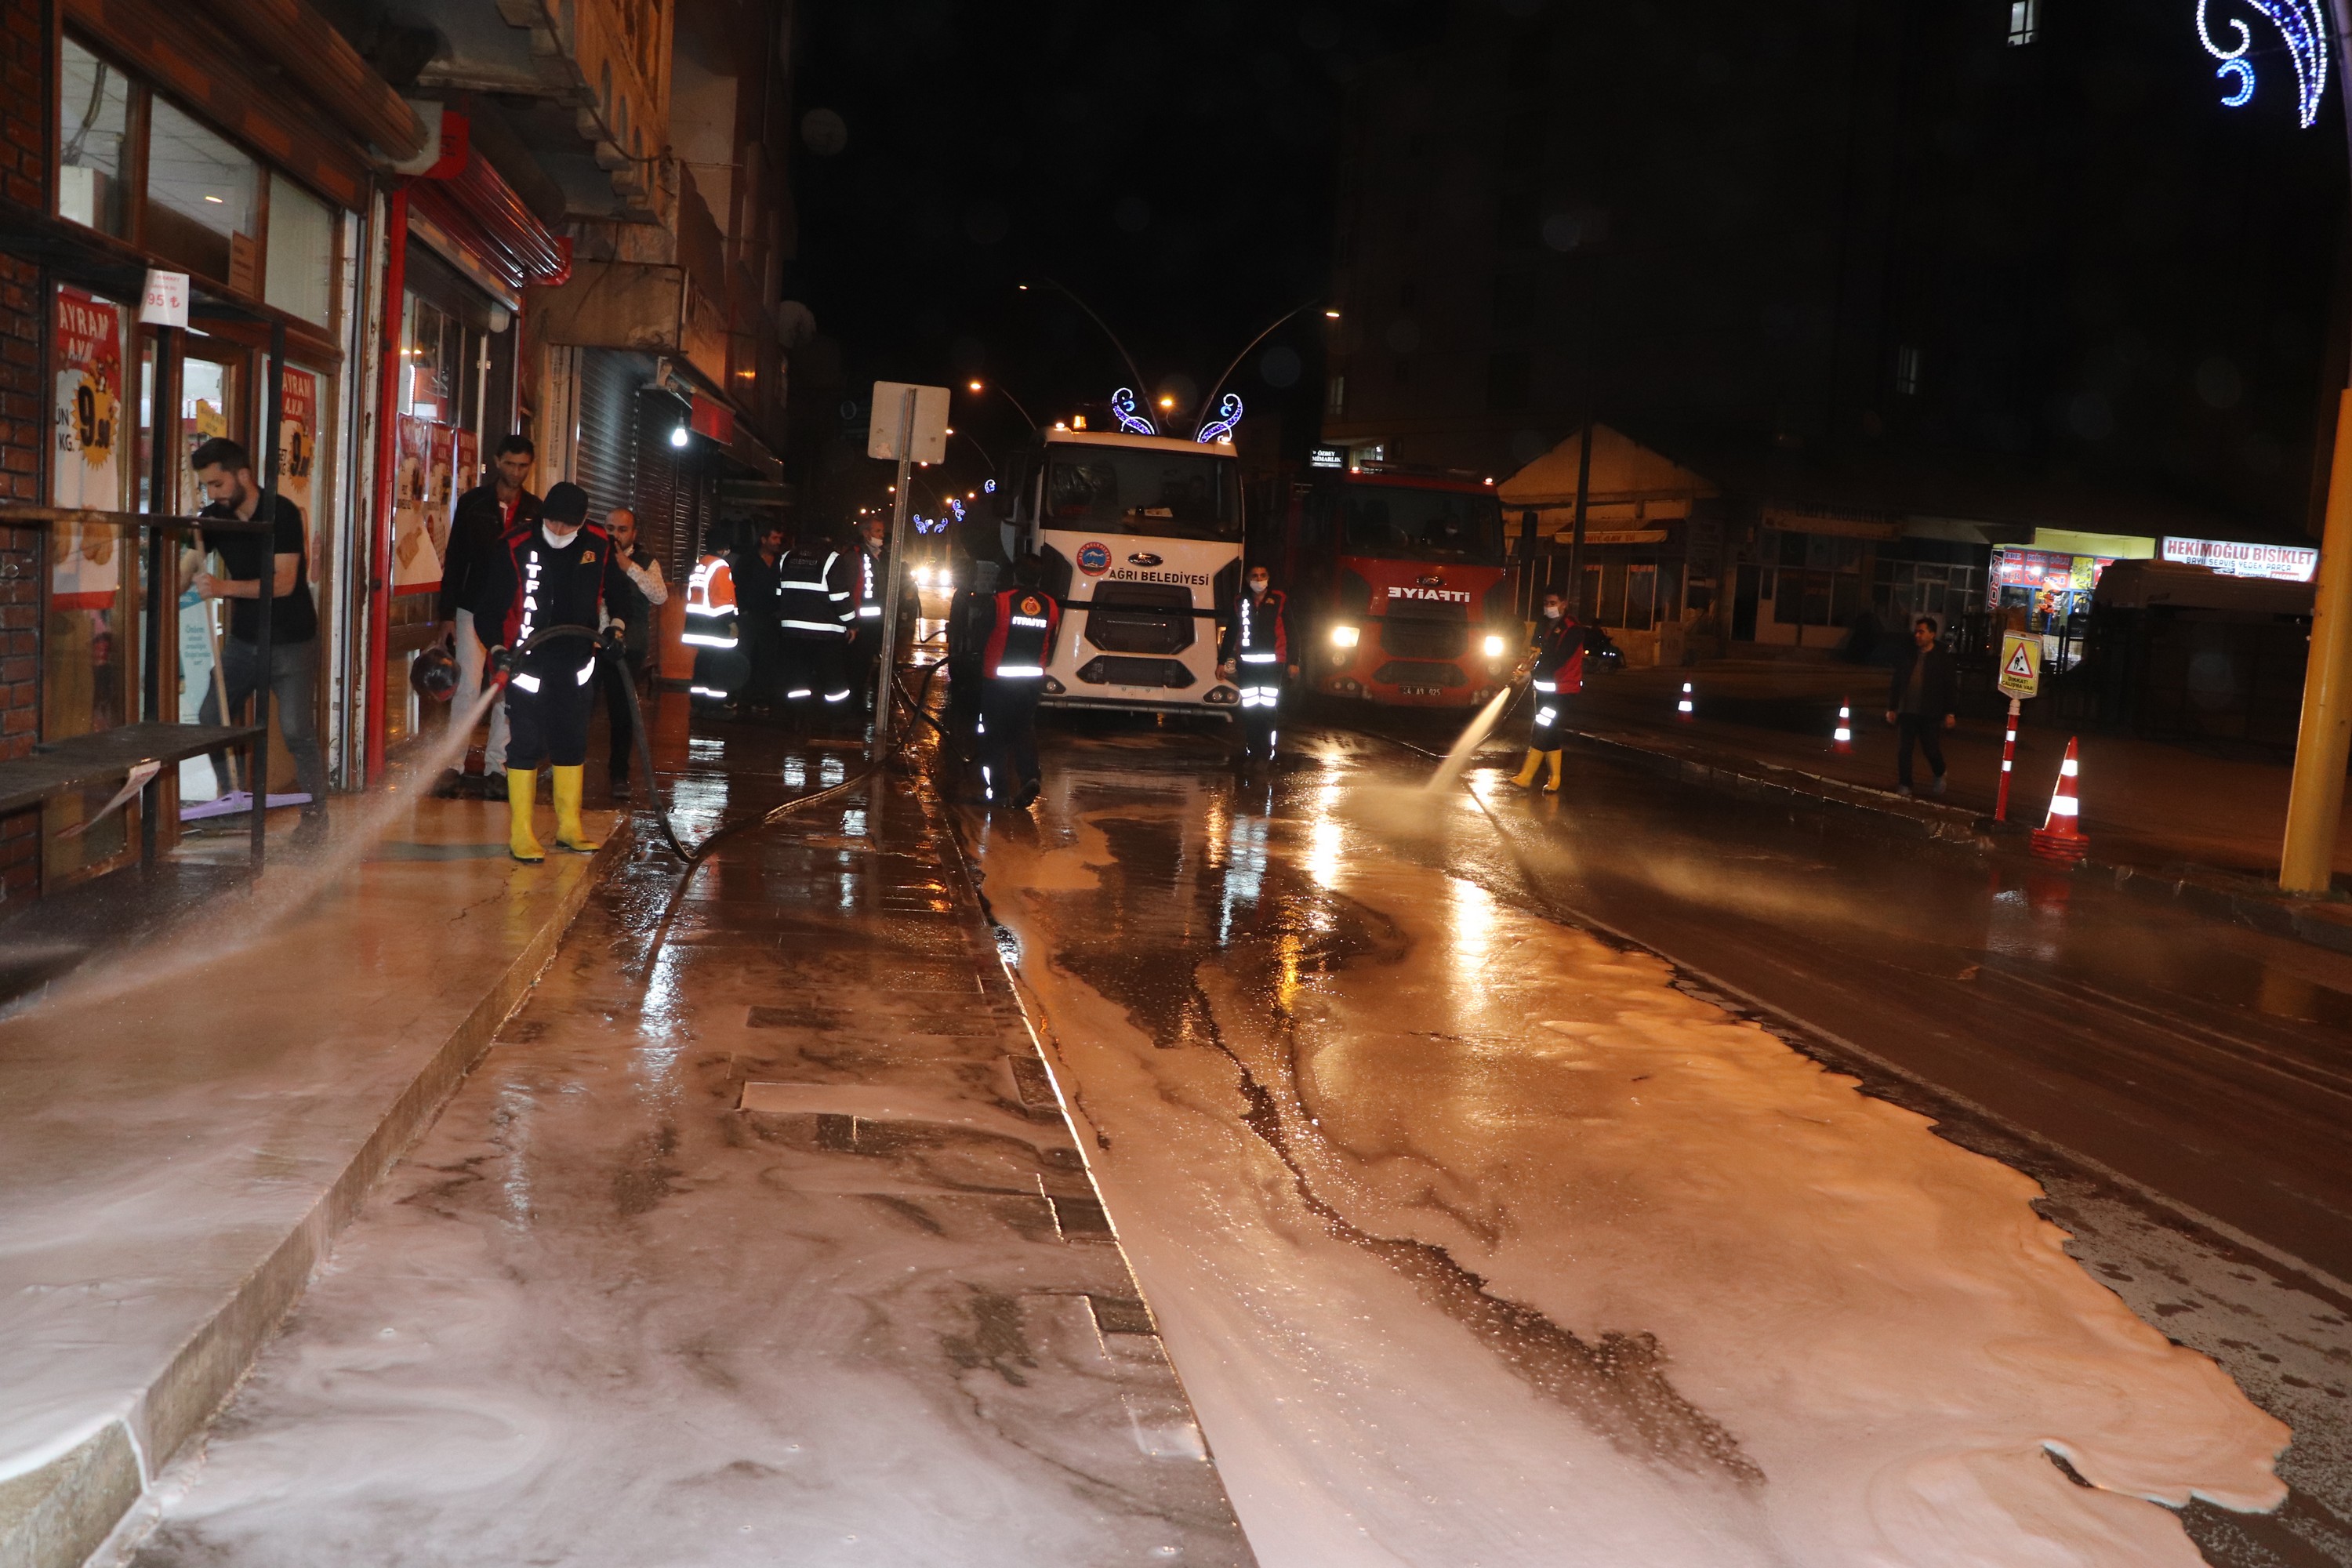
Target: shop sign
{"x":298,"y":447}
{"x":2047,"y":570}
{"x":88,"y":471}
{"x":2283,"y":562}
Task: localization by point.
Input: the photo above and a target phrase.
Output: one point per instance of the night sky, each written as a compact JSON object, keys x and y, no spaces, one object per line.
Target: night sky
{"x":1172,"y":165}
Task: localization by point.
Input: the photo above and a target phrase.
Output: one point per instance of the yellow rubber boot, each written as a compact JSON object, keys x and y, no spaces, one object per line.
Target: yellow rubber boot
{"x":569,"y":833}
{"x":1553,"y":788}
{"x":1527,"y":774}
{"x":522,"y":796}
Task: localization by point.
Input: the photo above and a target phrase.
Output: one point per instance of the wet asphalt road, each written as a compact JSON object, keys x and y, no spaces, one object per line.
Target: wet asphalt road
{"x":2179,"y":1087}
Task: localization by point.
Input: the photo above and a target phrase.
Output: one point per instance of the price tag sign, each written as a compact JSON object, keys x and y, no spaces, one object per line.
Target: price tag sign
{"x":165,"y":302}
{"x":2021,"y":664}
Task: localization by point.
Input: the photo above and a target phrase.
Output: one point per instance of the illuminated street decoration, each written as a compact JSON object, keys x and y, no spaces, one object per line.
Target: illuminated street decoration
{"x":1229,"y":413}
{"x":1122,"y":402}
{"x":990,"y":486}
{"x":2300,"y":25}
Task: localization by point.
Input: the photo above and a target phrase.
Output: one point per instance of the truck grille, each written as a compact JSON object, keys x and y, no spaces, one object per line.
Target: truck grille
{"x":1140,"y":617}
{"x":1168,"y":674}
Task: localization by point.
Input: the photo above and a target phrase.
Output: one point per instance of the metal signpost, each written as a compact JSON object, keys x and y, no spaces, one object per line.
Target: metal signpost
{"x":909,"y":424}
{"x":2021,"y":677}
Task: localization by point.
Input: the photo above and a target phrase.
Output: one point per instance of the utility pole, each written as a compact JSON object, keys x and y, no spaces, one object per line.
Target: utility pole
{"x":892,"y":555}
{"x":2323,"y":741}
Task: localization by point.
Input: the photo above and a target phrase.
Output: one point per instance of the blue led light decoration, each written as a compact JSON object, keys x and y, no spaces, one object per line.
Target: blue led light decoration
{"x":1229,"y":413}
{"x":1122,"y":402}
{"x":2301,"y":24}
{"x":990,"y":486}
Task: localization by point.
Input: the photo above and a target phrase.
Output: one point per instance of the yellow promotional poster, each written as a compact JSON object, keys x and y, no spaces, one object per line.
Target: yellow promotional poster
{"x":86,"y":566}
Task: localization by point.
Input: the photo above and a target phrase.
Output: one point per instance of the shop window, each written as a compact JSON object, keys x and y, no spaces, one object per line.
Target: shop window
{"x":93,"y":123}
{"x":201,"y":196}
{"x":1640,"y":595}
{"x":300,"y":277}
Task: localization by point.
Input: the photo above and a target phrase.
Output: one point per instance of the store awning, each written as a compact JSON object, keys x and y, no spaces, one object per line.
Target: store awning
{"x":480,"y":210}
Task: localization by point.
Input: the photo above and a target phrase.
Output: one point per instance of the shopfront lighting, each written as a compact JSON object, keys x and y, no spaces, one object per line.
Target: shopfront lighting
{"x":677,"y":437}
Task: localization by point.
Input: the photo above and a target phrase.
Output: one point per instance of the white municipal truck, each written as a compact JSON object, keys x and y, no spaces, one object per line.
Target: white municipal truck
{"x":1141,"y":537}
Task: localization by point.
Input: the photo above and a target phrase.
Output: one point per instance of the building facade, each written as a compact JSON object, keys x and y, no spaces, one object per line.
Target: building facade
{"x":414,"y":200}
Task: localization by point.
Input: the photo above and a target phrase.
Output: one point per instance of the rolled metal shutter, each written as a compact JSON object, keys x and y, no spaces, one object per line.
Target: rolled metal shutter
{"x":605,"y":463}
{"x":665,"y":486}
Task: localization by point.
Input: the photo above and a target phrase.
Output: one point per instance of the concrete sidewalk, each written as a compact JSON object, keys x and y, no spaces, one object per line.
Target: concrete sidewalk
{"x":2191,"y":821}
{"x":759,"y":1235}
{"x":184,"y":1126}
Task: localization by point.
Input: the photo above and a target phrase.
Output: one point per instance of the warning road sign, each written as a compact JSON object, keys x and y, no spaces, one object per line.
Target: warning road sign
{"x":2021,"y":664}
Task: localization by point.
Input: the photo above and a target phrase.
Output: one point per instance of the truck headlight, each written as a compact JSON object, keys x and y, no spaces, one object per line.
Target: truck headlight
{"x":1494,"y":646}
{"x":1344,"y":637}
{"x":922,"y":576}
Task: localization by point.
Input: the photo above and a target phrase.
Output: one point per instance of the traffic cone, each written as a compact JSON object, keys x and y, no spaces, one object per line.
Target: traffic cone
{"x":1685,"y":709}
{"x":2060,"y":838}
{"x":1842,"y":741}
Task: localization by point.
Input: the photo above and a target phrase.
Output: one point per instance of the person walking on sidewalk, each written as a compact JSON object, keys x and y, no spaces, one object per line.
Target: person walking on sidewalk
{"x":1555,"y":666}
{"x":482,"y":516}
{"x":547,"y":575}
{"x":1019,"y":642}
{"x":227,"y":472}
{"x":1255,"y":655}
{"x":1919,"y":705}
{"x":632,"y":590}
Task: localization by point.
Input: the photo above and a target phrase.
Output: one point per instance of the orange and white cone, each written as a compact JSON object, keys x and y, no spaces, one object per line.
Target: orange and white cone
{"x":1685,"y":708}
{"x":2061,"y":838}
{"x":1842,"y":741}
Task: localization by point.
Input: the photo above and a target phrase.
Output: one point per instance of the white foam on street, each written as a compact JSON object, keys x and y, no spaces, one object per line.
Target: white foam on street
{"x":1878,"y":1317}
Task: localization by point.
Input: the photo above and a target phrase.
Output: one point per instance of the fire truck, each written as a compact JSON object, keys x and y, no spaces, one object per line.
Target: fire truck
{"x":1398,"y":589}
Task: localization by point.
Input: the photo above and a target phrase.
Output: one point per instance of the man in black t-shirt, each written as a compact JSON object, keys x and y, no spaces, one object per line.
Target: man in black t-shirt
{"x":227,"y":472}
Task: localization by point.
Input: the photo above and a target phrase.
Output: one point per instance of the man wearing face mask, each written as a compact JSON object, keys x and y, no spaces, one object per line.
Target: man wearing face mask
{"x":546,"y":575}
{"x":1254,"y":653}
{"x":1555,"y":666}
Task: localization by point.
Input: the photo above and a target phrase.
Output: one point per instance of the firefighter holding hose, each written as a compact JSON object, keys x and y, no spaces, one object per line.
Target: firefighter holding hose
{"x":1555,"y":664}
{"x":539,"y":595}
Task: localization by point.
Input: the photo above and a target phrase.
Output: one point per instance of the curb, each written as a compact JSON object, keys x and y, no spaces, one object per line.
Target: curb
{"x":2240,"y":899}
{"x":55,"y":1517}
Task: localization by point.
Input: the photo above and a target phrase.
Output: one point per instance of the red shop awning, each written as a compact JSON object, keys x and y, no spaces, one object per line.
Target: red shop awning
{"x":480,"y":210}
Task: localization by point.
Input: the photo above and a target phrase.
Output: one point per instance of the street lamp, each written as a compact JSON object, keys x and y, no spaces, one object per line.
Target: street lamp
{"x":981,"y":387}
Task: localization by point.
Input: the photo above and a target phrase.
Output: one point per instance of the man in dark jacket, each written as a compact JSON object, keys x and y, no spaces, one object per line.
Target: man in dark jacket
{"x":633,"y":589}
{"x":482,"y":517}
{"x":1919,"y":705}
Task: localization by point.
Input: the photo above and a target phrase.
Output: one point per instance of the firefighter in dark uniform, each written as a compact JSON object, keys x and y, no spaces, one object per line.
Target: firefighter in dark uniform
{"x":546,"y":575}
{"x":1555,"y":664}
{"x":1253,"y":652}
{"x":816,"y":612}
{"x":1021,"y":622}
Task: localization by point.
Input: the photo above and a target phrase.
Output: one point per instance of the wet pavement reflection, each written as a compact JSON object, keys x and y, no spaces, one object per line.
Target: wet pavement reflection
{"x":759,"y":1236}
{"x":1328,"y":1014}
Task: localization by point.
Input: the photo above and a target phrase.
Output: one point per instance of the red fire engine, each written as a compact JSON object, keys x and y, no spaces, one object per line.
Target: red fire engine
{"x":1398,"y":586}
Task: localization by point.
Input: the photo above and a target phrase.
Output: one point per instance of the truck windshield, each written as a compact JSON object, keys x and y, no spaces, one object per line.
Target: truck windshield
{"x":1113,"y":489}
{"x":1391,"y":521}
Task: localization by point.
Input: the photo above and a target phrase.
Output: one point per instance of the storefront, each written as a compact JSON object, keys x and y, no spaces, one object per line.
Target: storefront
{"x":2050,"y":582}
{"x":143,"y":180}
{"x":454,"y":379}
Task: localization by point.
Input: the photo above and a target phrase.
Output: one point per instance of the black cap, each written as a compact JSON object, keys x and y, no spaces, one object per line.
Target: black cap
{"x":566,"y":502}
